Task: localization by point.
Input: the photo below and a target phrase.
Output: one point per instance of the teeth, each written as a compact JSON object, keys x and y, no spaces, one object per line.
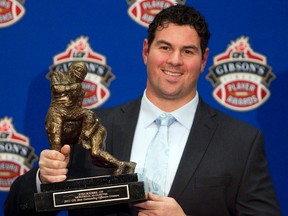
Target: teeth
{"x":172,"y":73}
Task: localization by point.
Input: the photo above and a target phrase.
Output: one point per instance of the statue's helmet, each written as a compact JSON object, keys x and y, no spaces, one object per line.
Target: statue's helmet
{"x":79,"y":70}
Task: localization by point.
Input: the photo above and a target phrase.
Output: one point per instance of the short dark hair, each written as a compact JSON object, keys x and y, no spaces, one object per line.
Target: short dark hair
{"x":180,"y":15}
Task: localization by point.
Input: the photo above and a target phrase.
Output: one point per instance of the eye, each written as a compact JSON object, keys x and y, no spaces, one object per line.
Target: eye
{"x":166,"y":48}
{"x":188,"y":52}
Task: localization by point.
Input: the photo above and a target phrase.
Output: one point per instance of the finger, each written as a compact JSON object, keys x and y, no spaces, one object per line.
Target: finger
{"x":142,"y":213}
{"x":52,"y":163}
{"x":49,"y":175}
{"x":52,"y":154}
{"x":155,"y":197}
{"x":52,"y":171}
{"x":51,"y":179}
{"x":147,"y":205}
{"x":65,"y":150}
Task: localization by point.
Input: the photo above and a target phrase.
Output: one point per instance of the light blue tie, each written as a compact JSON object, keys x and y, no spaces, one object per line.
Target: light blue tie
{"x":156,"y":162}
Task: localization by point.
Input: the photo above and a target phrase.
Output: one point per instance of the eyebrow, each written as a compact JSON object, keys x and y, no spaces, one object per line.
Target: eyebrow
{"x":169,"y":44}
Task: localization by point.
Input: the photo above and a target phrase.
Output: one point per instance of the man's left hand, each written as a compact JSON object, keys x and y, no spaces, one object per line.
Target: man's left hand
{"x":159,"y":206}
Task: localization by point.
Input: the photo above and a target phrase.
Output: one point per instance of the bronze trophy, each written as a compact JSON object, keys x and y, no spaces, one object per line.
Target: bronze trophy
{"x":67,"y":122}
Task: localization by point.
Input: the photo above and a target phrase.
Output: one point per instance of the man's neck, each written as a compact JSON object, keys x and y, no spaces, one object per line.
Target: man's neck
{"x":169,"y":104}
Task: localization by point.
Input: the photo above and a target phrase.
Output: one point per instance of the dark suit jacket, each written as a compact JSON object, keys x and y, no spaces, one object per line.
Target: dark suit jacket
{"x":223,"y":170}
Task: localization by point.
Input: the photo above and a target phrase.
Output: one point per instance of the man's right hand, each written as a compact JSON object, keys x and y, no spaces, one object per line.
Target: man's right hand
{"x":53,"y":165}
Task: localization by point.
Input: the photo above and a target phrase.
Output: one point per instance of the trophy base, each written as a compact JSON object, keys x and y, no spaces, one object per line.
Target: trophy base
{"x":89,"y":192}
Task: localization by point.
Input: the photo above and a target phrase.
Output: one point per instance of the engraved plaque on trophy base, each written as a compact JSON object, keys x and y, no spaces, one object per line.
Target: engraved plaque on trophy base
{"x":89,"y":192}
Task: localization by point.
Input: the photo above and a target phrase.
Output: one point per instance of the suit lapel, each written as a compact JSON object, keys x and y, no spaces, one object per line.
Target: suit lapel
{"x":199,"y":138}
{"x":124,"y":126}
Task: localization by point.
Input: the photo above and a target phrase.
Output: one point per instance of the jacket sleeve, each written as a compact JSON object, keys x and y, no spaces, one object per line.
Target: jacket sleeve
{"x":20,"y":200}
{"x":256,"y":195}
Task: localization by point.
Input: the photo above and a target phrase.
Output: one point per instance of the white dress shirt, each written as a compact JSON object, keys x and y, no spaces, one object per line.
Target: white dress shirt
{"x":178,"y":135}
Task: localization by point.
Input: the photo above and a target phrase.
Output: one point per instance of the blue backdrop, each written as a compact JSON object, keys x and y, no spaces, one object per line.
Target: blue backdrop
{"x":46,"y":29}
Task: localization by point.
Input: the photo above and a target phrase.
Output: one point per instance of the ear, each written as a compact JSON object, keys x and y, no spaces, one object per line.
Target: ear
{"x":204,"y":60}
{"x":145,"y":51}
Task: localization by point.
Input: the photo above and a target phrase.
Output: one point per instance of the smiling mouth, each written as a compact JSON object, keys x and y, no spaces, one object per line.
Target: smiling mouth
{"x":170,"y":73}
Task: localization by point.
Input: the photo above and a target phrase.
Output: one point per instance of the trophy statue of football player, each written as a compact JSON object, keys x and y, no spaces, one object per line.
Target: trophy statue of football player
{"x":67,"y":122}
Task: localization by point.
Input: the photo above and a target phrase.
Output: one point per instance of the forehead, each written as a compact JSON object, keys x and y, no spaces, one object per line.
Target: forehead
{"x":178,"y":34}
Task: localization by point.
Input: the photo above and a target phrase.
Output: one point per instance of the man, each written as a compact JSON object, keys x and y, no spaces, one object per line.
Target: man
{"x":217,"y":164}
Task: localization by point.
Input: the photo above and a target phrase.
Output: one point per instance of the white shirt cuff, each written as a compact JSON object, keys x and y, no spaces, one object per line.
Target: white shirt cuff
{"x":38,"y":182}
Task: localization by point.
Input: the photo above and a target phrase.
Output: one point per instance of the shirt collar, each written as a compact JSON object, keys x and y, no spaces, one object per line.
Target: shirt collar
{"x":184,"y":115}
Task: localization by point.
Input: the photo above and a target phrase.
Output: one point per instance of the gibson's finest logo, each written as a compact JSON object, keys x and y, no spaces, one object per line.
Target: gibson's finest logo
{"x":99,"y":74}
{"x":10,"y":12}
{"x":144,"y":11}
{"x":16,"y":156}
{"x":240,"y":77}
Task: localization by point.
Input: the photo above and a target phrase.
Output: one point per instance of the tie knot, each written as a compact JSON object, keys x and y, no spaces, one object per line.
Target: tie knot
{"x":165,"y":119}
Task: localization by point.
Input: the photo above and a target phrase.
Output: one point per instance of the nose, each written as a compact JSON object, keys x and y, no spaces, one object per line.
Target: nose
{"x":175,"y":58}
